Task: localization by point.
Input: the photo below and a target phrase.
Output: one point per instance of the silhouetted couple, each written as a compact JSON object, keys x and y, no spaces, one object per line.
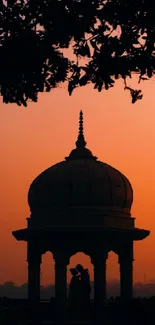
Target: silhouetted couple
{"x":79,"y":291}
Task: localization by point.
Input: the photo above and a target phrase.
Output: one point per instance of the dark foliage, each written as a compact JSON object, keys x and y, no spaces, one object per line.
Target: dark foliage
{"x":114,"y":37}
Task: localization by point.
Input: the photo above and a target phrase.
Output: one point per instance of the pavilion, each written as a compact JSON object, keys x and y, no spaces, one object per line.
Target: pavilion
{"x":80,"y":205}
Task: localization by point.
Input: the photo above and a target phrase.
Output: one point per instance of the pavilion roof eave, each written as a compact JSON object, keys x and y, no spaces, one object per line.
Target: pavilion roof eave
{"x":134,"y":233}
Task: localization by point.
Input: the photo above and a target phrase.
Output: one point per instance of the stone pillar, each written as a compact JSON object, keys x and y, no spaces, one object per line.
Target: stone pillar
{"x":34,"y":281}
{"x":34,"y":261}
{"x":126,"y":271}
{"x":61,"y":286}
{"x":99,"y":262}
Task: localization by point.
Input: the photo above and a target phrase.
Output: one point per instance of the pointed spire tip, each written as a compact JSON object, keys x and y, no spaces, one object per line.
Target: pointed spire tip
{"x":81,"y":151}
{"x":81,"y":143}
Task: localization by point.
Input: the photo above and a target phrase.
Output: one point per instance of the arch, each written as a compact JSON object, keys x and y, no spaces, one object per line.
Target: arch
{"x":84,"y":259}
{"x":113,"y":275}
{"x":47,"y":276}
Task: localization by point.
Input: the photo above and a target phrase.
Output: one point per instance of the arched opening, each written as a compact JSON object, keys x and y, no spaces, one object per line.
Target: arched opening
{"x":47,"y":277}
{"x":113,"y":275}
{"x":85,"y":261}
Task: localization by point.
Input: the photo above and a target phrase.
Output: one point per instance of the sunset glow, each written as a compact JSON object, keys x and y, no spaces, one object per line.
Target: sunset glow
{"x":36,"y":137}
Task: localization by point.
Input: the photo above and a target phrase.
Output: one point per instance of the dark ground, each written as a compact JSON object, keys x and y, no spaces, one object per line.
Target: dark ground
{"x":139,"y":311}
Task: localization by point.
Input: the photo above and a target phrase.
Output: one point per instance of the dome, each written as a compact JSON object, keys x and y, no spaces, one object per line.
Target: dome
{"x":81,"y":180}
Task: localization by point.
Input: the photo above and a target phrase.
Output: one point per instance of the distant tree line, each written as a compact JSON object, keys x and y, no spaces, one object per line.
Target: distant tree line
{"x":9,"y":289}
{"x":108,"y":39}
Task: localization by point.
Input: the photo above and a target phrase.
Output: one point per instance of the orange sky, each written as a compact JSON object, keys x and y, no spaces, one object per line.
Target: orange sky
{"x":34,"y":138}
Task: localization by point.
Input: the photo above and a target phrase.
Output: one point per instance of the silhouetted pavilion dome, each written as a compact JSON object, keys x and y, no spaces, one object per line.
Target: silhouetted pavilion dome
{"x":81,"y":180}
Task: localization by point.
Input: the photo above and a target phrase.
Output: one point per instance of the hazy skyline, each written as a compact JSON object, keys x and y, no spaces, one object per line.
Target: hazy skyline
{"x":36,"y":137}
{"x":10,"y":290}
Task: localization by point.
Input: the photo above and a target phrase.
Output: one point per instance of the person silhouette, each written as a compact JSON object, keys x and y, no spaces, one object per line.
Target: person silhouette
{"x":85,"y":289}
{"x":74,"y":293}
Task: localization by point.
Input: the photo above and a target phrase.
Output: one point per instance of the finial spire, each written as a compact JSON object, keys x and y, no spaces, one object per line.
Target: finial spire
{"x":81,"y":152}
{"x":81,"y":143}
